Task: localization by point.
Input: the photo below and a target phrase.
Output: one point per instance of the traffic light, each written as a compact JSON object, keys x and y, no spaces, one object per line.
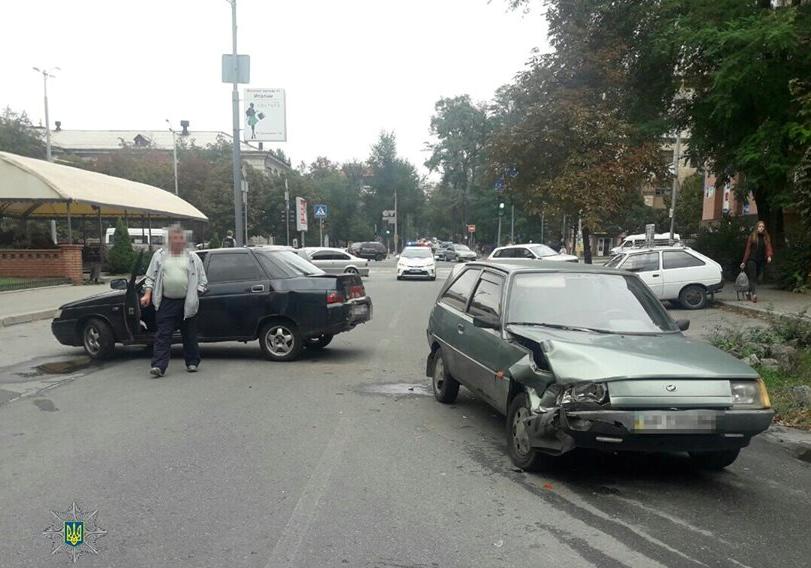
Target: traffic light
{"x":500,"y":208}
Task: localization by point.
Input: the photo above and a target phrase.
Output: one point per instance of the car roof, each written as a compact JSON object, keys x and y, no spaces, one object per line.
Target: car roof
{"x":314,"y":249}
{"x":664,"y":248}
{"x":530,"y":265}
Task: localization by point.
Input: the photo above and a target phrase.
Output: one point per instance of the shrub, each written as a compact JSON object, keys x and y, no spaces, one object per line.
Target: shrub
{"x":793,"y":263}
{"x":725,"y":243}
{"x":121,"y":255}
{"x":214,"y":241}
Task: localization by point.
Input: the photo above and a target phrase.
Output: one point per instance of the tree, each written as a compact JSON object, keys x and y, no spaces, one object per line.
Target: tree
{"x":121,"y":255}
{"x":18,"y":135}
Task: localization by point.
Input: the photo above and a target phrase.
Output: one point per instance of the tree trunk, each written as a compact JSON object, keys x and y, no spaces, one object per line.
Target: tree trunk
{"x":586,"y":245}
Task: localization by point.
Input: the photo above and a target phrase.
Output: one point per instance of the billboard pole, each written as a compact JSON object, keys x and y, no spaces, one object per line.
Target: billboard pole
{"x":286,"y":212}
{"x":239,"y":229}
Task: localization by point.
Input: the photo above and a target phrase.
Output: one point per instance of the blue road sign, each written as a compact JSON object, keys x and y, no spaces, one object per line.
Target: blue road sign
{"x":320,"y":211}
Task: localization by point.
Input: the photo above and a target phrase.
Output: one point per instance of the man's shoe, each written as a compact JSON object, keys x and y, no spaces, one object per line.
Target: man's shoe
{"x":155,"y":372}
{"x":191,"y":368}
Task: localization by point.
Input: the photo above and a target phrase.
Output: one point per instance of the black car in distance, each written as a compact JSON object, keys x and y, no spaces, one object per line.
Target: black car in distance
{"x":265,"y":293}
{"x":371,"y":250}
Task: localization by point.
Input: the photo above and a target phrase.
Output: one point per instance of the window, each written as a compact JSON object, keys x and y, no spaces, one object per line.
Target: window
{"x":486,"y":300}
{"x":679,"y":259}
{"x":523,"y":253}
{"x":416,"y":252}
{"x":324,"y":255}
{"x":286,"y":264}
{"x":340,"y":256}
{"x":642,"y":262}
{"x":543,"y":250}
{"x":459,"y":292}
{"x":503,"y":253}
{"x":232,"y":266}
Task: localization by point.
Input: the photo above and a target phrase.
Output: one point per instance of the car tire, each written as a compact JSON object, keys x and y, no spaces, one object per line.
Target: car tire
{"x":446,"y":388}
{"x":521,"y":453}
{"x":319,"y":342}
{"x":714,"y":461}
{"x":351,"y":270}
{"x":693,"y":297}
{"x":97,"y":339}
{"x":280,"y":340}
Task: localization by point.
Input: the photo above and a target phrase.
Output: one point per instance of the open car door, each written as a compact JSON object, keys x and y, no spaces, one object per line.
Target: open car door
{"x":132,"y":303}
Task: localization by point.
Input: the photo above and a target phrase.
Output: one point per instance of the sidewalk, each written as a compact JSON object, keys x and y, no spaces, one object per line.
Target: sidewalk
{"x":24,"y":306}
{"x":771,"y":301}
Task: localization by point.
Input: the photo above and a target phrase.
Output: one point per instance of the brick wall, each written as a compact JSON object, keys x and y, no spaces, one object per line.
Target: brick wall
{"x":64,"y":262}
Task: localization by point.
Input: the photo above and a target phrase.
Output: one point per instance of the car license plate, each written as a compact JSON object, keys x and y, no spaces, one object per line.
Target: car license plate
{"x":673,"y":422}
{"x":359,"y":310}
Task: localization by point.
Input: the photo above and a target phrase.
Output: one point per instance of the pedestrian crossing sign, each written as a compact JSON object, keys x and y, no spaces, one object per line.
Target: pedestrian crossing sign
{"x":320,"y":211}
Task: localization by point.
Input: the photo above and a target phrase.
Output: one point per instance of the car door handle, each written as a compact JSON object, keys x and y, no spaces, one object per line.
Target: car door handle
{"x":654,"y":276}
{"x":257,"y":288}
{"x":460,"y":328}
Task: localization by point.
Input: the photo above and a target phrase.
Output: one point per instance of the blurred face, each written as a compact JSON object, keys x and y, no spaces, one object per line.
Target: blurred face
{"x":177,"y":241}
{"x":761,"y":227}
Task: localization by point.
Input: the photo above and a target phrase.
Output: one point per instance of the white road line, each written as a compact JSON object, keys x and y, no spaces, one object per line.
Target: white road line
{"x":298,"y":526}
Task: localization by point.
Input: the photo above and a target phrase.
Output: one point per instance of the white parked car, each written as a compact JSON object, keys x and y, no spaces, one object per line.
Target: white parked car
{"x":416,"y":262}
{"x":335,"y":260}
{"x":532,"y":251}
{"x":636,"y":241}
{"x":674,"y":273}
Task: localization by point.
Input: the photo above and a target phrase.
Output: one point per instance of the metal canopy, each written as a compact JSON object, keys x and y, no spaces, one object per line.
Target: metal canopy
{"x":34,"y":188}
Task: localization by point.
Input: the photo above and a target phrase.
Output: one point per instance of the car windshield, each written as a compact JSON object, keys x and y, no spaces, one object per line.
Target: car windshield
{"x":286,"y":264}
{"x":615,"y":261}
{"x":416,"y":252}
{"x":463,"y":248}
{"x":597,"y":302}
{"x":542,"y":250}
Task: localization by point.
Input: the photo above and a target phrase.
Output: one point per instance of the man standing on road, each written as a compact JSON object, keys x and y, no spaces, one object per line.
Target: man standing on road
{"x":229,"y":241}
{"x":174,"y":279}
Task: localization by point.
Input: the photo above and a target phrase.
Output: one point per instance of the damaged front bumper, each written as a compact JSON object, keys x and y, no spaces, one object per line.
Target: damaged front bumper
{"x":560,"y":430}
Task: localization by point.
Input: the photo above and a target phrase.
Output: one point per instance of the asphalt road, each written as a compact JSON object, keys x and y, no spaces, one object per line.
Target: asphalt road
{"x":344,"y":459}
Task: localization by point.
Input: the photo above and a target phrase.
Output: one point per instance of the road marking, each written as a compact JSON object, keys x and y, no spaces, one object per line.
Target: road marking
{"x":298,"y":526}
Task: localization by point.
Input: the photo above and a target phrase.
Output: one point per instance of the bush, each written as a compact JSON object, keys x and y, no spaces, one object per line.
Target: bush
{"x":215,"y":241}
{"x":725,"y":243}
{"x":121,"y":255}
{"x":793,"y":263}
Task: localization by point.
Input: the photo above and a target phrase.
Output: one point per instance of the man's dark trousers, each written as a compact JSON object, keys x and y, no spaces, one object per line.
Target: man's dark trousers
{"x":168,"y":318}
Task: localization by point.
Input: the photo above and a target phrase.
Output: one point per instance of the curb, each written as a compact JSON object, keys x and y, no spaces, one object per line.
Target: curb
{"x":751,"y":310}
{"x":796,"y":442}
{"x":27,"y":318}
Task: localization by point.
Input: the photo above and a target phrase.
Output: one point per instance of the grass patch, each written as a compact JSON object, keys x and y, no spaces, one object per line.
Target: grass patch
{"x":779,"y":382}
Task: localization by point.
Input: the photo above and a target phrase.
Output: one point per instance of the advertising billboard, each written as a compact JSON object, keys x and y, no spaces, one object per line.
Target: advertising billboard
{"x":265,"y":115}
{"x":301,"y":214}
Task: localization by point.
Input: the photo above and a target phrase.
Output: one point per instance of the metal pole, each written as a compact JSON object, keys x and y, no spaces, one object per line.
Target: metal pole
{"x":321,"y":232}
{"x":676,"y":156}
{"x":239,"y":231}
{"x":543,"y":219}
{"x":70,"y":225}
{"x":396,"y":215}
{"x":47,"y":120}
{"x":174,"y":155}
{"x":287,"y":211}
{"x":498,"y":238}
{"x":512,"y":223}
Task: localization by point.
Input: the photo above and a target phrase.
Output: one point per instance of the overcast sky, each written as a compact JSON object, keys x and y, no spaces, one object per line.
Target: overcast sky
{"x":351,"y":68}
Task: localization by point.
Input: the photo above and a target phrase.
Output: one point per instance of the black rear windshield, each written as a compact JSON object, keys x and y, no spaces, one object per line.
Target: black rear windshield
{"x":286,"y":264}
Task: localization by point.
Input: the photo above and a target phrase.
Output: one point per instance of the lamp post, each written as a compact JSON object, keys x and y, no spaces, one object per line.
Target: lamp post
{"x":239,"y":220}
{"x":46,"y":74}
{"x":174,"y":151}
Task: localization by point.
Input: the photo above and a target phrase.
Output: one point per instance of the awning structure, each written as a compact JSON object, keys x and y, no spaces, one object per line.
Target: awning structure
{"x":34,"y":188}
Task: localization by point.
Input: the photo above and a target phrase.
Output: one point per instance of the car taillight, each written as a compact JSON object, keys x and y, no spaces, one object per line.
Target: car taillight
{"x":357,"y":291}
{"x":335,"y":298}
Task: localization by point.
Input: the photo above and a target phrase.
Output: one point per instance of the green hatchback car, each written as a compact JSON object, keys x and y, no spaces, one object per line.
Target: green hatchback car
{"x":582,"y":356}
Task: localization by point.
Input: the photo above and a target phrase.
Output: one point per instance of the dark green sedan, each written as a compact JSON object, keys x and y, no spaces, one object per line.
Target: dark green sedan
{"x":582,"y":356}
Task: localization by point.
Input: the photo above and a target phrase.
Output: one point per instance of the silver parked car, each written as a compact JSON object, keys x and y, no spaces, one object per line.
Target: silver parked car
{"x":335,"y":260}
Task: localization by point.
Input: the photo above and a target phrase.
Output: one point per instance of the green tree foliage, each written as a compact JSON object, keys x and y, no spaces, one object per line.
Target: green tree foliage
{"x":18,"y":135}
{"x":120,"y":256}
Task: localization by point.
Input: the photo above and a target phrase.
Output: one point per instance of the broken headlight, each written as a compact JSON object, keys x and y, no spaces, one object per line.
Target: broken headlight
{"x":586,"y":392}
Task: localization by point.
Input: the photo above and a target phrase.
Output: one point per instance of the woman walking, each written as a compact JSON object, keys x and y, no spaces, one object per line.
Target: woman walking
{"x":757,"y":255}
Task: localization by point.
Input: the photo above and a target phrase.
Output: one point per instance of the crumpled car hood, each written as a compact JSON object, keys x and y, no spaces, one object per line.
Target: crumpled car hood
{"x":581,"y":356}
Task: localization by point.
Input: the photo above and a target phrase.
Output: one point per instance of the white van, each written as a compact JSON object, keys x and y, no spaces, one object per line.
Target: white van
{"x":637,"y":241}
{"x":139,"y":238}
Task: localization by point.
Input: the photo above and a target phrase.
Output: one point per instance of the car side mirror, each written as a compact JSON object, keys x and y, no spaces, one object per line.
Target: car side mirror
{"x":486,"y":322}
{"x":683,"y":325}
{"x":118,"y":284}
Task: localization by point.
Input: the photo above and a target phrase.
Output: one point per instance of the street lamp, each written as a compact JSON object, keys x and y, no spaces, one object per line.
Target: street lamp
{"x":47,"y":73}
{"x":174,"y":151}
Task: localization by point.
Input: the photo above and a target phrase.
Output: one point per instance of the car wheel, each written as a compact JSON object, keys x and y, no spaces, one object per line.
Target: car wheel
{"x":715,"y":461}
{"x":693,"y":297}
{"x":446,"y":388}
{"x":351,"y":270}
{"x":280,"y":341}
{"x":97,"y":339}
{"x":521,"y":453}
{"x":319,"y":342}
